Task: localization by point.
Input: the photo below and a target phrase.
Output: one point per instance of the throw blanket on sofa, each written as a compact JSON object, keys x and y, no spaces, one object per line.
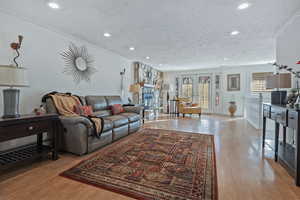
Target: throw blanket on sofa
{"x":65,"y":104}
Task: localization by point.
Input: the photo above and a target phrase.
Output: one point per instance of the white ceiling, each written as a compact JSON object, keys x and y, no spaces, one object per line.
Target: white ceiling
{"x":180,"y":34}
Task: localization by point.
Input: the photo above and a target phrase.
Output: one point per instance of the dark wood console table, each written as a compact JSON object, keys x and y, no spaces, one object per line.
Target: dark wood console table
{"x":286,"y":154}
{"x":24,"y":126}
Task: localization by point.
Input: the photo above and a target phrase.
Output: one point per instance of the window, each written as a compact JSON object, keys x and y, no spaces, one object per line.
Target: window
{"x":204,"y":91}
{"x":187,"y":87}
{"x":258,"y":83}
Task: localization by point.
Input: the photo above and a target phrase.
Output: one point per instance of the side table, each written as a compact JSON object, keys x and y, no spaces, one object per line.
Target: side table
{"x":25,"y":126}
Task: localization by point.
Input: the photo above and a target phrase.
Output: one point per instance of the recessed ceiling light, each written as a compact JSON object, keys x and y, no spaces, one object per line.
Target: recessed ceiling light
{"x":107,"y":35}
{"x":131,"y":48}
{"x":53,"y":5}
{"x":235,"y":33}
{"x":147,"y":57}
{"x":244,"y":6}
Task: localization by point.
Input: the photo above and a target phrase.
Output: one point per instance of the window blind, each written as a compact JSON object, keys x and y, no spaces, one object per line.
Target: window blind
{"x":258,"y":83}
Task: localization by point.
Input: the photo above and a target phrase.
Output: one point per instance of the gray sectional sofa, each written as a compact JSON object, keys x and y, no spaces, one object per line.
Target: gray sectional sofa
{"x":78,"y":135}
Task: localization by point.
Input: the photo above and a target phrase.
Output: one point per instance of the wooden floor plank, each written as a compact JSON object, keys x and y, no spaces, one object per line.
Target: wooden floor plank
{"x":244,"y":172}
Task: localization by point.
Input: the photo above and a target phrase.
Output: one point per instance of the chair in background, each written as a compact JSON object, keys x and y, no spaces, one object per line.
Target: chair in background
{"x":186,"y":106}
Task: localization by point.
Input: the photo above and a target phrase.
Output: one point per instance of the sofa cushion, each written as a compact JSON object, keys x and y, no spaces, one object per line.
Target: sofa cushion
{"x":107,"y":126}
{"x":97,"y":102}
{"x":134,"y":109}
{"x":103,"y":113}
{"x":134,"y":126}
{"x":117,"y":120}
{"x":132,"y":117}
{"x":117,"y":109}
{"x":111,"y":100}
{"x":96,"y":143}
{"x":83,"y":110}
{"x":120,"y":132}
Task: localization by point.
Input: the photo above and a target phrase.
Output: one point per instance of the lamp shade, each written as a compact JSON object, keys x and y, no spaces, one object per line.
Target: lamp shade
{"x":135,"y":88}
{"x":12,"y":76}
{"x":279,"y":81}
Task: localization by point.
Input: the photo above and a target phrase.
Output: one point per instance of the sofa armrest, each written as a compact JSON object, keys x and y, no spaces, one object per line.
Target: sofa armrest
{"x":77,"y":130}
{"x":134,"y":109}
{"x":76,"y":120}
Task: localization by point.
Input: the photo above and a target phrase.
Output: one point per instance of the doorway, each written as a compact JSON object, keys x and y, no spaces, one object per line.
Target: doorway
{"x":204,"y":93}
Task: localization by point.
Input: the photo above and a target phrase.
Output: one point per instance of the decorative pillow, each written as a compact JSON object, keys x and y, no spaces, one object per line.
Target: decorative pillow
{"x":87,"y":110}
{"x":187,"y":104}
{"x":117,"y":109}
{"x":83,"y":110}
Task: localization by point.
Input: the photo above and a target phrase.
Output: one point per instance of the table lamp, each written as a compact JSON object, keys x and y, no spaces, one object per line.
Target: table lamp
{"x":279,"y":81}
{"x":12,"y":76}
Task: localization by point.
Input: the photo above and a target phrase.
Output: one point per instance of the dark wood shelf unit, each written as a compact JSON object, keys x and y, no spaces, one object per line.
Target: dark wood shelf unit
{"x":286,"y":154}
{"x":286,"y":157}
{"x":26,"y":126}
{"x":23,"y":155}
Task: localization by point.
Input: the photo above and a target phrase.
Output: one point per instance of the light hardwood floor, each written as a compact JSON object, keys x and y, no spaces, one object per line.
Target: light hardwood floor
{"x":244,"y":172}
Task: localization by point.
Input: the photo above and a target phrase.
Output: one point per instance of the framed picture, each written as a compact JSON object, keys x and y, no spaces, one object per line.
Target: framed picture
{"x":233,"y":82}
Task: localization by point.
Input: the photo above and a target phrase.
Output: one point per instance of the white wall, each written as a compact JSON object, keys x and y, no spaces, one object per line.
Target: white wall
{"x":40,"y":54}
{"x":288,"y":43}
{"x":226,"y":96}
{"x":288,"y":47}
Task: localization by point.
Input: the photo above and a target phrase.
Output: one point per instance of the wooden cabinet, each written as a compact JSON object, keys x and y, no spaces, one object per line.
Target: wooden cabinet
{"x":25,"y":126}
{"x":293,"y":119}
{"x":266,"y":111}
{"x":287,"y":154}
{"x":23,"y":130}
{"x":281,"y":116}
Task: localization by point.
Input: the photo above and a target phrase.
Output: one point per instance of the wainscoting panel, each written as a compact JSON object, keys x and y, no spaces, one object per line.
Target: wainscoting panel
{"x":253,"y":110}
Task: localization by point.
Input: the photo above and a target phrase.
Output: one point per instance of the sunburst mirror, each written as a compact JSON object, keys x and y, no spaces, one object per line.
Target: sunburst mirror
{"x":78,"y":63}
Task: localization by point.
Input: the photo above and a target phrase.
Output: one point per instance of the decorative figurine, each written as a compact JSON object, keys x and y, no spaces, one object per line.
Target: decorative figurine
{"x":16,"y":46}
{"x":40,"y":111}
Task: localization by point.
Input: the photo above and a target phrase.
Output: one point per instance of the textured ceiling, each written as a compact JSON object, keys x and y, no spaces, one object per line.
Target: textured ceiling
{"x":180,"y":34}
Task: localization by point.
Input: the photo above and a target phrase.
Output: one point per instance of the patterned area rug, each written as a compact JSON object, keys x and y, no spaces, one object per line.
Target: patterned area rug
{"x":154,"y":164}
